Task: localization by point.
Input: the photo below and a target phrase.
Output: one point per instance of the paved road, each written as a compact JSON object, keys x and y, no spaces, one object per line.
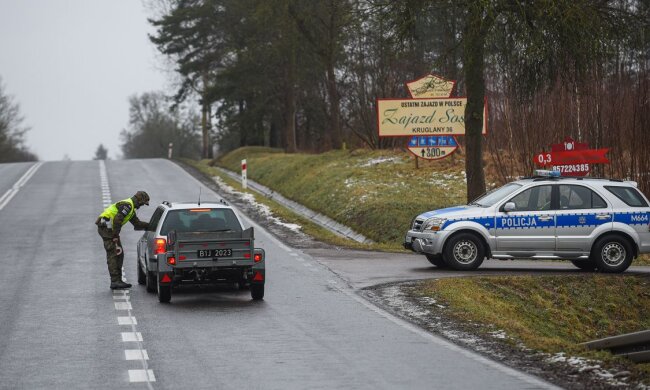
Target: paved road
{"x":59,"y":324}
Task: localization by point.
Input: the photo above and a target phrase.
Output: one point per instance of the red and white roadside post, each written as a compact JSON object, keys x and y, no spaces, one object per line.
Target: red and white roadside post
{"x":244,"y":179}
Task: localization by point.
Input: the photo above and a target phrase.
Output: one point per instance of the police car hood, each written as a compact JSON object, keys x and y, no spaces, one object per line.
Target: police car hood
{"x":453,"y":212}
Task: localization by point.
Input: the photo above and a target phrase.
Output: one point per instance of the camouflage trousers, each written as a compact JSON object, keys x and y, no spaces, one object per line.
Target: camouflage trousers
{"x":113,"y":259}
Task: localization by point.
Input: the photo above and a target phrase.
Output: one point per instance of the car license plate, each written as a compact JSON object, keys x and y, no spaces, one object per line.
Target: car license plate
{"x":213,"y":253}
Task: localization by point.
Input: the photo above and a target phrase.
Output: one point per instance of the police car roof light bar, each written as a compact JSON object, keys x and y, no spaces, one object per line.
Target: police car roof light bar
{"x":546,"y":173}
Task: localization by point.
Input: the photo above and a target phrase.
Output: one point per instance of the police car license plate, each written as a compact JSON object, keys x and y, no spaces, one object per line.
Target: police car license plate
{"x":213,"y":253}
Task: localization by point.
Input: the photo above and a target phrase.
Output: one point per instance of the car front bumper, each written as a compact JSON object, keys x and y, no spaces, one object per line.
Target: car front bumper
{"x":428,"y":243}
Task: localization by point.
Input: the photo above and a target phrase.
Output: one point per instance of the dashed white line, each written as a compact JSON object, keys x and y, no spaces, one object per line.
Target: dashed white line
{"x":131,"y":336}
{"x":139,"y":354}
{"x":136,"y":354}
{"x":127,"y":321}
{"x":141,"y":376}
{"x":123,"y":306}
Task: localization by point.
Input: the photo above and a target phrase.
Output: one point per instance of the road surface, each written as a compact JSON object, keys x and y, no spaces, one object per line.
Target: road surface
{"x":61,"y":327}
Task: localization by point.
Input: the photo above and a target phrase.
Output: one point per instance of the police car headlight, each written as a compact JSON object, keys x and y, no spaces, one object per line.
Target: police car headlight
{"x":434,"y":224}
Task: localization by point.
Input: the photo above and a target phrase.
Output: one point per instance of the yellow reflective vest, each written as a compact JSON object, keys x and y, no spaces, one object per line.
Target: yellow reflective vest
{"x":111,"y":211}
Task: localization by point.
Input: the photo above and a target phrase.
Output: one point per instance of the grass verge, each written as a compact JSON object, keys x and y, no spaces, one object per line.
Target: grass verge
{"x":552,"y":314}
{"x":376,"y":193}
{"x":286,"y":215}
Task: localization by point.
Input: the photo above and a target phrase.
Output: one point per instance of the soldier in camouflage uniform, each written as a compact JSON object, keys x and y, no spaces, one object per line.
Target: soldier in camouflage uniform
{"x":109,"y":223}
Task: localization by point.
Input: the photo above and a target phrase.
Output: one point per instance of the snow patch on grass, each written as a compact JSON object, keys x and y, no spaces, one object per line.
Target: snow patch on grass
{"x":592,"y":366}
{"x":250,"y":199}
{"x":379,"y":160}
{"x":499,"y":334}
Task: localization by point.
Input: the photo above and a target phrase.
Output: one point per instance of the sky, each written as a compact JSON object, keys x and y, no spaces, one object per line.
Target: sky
{"x":71,"y":65}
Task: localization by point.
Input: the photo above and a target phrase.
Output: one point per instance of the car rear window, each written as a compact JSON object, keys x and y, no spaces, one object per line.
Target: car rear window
{"x":629,"y":195}
{"x":200,"y":220}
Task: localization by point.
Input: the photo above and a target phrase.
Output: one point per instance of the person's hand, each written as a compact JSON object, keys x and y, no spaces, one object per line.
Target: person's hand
{"x":118,"y":250}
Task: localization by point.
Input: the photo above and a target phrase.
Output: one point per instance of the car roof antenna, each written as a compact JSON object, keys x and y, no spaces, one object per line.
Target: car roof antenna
{"x":199,"y":195}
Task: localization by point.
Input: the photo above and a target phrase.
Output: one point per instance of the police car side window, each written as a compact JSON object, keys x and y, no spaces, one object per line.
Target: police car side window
{"x":629,"y":195}
{"x":574,"y":197}
{"x":533,"y":199}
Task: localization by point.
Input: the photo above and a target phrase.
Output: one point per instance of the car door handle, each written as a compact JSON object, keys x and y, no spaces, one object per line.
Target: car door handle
{"x":603,"y":216}
{"x":545,"y":217}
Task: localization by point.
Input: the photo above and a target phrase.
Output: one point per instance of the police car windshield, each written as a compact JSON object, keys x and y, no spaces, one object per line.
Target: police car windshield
{"x":490,"y":198}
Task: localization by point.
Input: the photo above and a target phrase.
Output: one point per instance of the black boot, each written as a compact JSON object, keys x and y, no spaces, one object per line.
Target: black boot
{"x":120,"y":285}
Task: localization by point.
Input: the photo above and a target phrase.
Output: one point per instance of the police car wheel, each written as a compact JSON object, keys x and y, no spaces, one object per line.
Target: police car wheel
{"x":612,"y":254}
{"x":585,"y":265}
{"x":437,"y":261}
{"x":464,"y":252}
{"x":142,"y":277}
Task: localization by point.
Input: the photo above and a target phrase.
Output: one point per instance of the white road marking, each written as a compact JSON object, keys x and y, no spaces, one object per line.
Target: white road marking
{"x":127,"y":321}
{"x":123,"y":306}
{"x":131,"y":336}
{"x":141,"y":376}
{"x":145,"y":374}
{"x":136,"y":354}
{"x":7,"y":196}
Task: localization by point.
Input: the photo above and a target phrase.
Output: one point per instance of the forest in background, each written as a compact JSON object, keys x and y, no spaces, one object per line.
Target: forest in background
{"x":305,"y":75}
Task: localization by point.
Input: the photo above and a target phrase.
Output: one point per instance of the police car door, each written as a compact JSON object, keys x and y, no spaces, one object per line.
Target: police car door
{"x":582,"y":211}
{"x":530,"y":228}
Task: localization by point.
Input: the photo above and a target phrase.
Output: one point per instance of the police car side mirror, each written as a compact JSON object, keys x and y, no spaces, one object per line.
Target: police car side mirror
{"x":510,"y":206}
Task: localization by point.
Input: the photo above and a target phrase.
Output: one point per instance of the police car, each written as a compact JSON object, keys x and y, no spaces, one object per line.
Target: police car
{"x":597,"y":224}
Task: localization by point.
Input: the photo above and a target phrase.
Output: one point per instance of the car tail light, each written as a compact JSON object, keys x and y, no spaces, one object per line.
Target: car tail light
{"x":258,"y":277}
{"x":165,"y":279}
{"x":199,"y":210}
{"x":182,"y":257}
{"x":247,"y":255}
{"x":257,"y":257}
{"x":161,"y":244}
{"x":171,"y":260}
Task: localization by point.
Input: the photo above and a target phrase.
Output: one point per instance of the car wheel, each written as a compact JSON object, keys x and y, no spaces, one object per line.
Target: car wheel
{"x":142,"y":277}
{"x":151,"y":282}
{"x":164,"y":293}
{"x":464,"y":251}
{"x":612,"y":254}
{"x":585,"y":265}
{"x":257,"y":291}
{"x":437,"y":261}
